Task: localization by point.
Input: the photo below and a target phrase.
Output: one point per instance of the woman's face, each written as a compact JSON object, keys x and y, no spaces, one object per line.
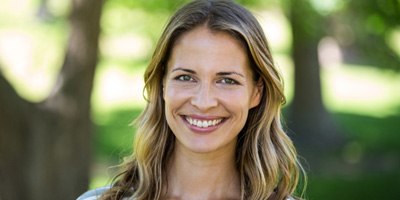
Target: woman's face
{"x":208,"y":91}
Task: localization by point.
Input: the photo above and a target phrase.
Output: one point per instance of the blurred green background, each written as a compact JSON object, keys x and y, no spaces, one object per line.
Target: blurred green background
{"x":363,"y":97}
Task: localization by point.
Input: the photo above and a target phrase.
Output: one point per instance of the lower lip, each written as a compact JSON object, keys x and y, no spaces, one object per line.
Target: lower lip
{"x":199,"y":130}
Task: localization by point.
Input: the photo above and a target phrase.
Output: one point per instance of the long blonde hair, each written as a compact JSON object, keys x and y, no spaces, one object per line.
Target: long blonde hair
{"x":265,"y":156}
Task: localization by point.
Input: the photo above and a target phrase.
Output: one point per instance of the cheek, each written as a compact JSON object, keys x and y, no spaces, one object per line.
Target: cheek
{"x":237,"y":103}
{"x":174,"y":96}
{"x":170,"y":104}
{"x":238,"y":98}
{"x":168,"y":98}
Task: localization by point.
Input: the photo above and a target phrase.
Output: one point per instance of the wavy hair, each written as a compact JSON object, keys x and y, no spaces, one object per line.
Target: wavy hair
{"x":265,"y":156}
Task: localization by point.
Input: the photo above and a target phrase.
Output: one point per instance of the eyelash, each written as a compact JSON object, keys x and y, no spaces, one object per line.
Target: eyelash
{"x":182,"y":78}
{"x":228,"y":81}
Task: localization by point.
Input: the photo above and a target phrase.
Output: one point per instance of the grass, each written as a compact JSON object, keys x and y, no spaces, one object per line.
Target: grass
{"x":371,"y":170}
{"x":378,"y":134}
{"x":367,"y":186}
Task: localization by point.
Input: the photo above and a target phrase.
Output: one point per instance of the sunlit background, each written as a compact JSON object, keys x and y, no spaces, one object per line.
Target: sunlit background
{"x":364,"y":99}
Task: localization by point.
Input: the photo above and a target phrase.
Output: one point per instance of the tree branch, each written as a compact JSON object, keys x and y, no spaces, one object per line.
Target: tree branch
{"x":72,"y":91}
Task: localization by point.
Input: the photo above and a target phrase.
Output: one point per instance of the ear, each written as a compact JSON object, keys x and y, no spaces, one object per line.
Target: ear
{"x":257,"y":94}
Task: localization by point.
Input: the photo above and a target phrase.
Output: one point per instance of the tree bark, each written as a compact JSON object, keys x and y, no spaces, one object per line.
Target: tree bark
{"x":45,"y":147}
{"x":314,"y":129}
{"x":13,"y":142}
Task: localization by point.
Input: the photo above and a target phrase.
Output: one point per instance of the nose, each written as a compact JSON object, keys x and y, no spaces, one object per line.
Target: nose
{"x":205,"y":98}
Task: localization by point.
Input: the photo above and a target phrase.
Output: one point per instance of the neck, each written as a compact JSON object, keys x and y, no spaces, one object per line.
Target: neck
{"x":203,"y":176}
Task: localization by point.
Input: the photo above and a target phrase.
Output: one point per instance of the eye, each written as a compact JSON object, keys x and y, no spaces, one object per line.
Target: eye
{"x":184,"y":78}
{"x":229,"y":81}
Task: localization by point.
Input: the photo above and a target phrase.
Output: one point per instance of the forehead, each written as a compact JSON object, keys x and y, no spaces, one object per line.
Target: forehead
{"x":202,"y":47}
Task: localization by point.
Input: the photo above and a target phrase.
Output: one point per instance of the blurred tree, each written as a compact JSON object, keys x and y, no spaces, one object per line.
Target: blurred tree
{"x":45,"y":147}
{"x":361,"y":28}
{"x":315,"y":130}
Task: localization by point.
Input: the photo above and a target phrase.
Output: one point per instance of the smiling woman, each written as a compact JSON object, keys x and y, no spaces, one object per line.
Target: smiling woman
{"x":211,"y":128}
{"x":205,"y":72}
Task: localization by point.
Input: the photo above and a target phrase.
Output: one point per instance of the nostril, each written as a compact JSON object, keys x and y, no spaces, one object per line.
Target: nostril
{"x":205,"y":97}
{"x":204,"y":101}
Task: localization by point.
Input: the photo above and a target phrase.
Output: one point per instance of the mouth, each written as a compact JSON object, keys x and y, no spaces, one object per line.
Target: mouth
{"x":199,"y":123}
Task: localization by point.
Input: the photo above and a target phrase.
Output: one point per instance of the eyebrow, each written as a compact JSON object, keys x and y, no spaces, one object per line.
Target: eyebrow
{"x":184,"y":69}
{"x":229,"y":73}
{"x":219,"y":73}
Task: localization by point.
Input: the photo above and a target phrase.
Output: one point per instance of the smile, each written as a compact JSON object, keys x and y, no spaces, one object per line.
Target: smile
{"x":203,"y":123}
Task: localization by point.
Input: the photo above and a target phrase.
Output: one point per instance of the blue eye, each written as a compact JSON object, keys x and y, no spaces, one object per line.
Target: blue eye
{"x":184,"y":78}
{"x":229,"y":81}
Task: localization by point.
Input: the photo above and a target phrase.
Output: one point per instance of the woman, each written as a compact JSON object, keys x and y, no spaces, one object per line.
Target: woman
{"x":211,"y":128}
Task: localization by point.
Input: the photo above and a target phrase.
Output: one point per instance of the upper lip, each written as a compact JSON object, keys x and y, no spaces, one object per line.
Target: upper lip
{"x":204,"y":117}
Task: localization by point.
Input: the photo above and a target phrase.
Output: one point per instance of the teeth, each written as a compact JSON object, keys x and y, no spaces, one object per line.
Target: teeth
{"x":203,"y":123}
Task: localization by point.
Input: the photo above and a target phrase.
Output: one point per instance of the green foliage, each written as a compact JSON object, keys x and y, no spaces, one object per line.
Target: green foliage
{"x":151,"y":5}
{"x":374,"y":137}
{"x":305,"y":18}
{"x":367,"y":23}
{"x":256,"y":3}
{"x":381,"y":14}
{"x":113,"y":137}
{"x":170,"y":6}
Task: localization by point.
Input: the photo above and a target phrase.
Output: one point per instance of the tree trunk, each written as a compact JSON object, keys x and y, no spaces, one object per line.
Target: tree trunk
{"x":45,"y":147}
{"x":14,"y":151}
{"x":314,"y":130}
